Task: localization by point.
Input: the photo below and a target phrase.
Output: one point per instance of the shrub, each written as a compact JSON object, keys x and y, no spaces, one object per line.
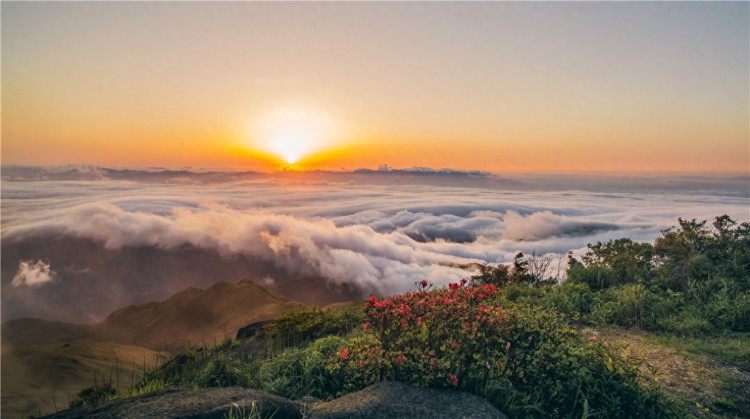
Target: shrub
{"x":297,"y":372}
{"x":94,"y":394}
{"x":222,"y":371}
{"x":293,"y":329}
{"x":629,"y":305}
{"x":572,"y":299}
{"x":596,"y":277}
{"x":526,"y":360}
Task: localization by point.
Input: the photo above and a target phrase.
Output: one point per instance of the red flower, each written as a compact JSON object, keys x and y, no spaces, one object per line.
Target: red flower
{"x":361,"y":364}
{"x":453,"y":380}
{"x":423,"y":284}
{"x":593,"y":337}
{"x":400,"y":358}
{"x":366,"y":326}
{"x":344,"y":353}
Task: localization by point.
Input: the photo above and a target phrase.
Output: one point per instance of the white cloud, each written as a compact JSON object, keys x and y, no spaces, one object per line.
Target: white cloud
{"x":33,"y":274}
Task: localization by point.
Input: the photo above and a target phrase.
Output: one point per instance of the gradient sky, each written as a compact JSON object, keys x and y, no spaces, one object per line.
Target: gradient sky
{"x":567,"y":87}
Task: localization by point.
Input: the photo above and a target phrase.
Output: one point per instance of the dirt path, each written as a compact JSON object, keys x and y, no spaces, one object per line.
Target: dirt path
{"x":711,"y":388}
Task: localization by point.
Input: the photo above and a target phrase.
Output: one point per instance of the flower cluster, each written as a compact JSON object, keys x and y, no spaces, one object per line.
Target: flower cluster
{"x":432,"y":337}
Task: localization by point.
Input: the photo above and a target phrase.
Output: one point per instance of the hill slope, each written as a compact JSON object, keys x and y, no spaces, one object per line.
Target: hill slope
{"x":39,"y":377}
{"x":42,"y":359}
{"x":194,"y":317}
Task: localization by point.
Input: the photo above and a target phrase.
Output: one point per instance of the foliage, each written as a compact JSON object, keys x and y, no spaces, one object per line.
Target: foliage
{"x":507,"y":334}
{"x":298,"y":372}
{"x":692,"y":281}
{"x":94,"y":394}
{"x":295,"y":328}
{"x":527,"y":361}
{"x":531,"y":269}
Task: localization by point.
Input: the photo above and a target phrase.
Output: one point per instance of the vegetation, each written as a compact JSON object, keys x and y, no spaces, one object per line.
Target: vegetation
{"x":517,"y":335}
{"x":693,"y":281}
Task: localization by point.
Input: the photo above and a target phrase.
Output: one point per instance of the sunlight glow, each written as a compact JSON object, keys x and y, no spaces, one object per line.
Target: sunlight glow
{"x":294,"y":133}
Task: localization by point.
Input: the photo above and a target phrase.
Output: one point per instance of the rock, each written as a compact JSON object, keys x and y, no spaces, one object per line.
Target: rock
{"x":190,"y":404}
{"x":252,"y":329}
{"x":400,"y":401}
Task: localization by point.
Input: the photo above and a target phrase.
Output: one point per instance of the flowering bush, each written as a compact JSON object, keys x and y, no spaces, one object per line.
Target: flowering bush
{"x":528,"y":362}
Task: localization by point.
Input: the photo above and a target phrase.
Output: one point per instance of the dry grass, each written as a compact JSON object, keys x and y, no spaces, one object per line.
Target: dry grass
{"x":45,"y":377}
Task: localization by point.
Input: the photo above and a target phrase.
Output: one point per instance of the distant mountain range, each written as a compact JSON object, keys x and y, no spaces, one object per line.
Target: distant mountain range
{"x":726,"y":184}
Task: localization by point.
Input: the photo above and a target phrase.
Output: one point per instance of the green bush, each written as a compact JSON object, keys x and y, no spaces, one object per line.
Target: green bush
{"x":297,"y":372}
{"x":222,"y":371}
{"x":294,"y":329}
{"x":596,"y":277}
{"x":575,"y":300}
{"x":95,"y":394}
{"x":629,"y":305}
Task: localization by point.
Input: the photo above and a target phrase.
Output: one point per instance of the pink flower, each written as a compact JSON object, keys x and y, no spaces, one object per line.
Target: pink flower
{"x":593,"y":337}
{"x":361,"y":364}
{"x":366,"y":326}
{"x":507,"y":346}
{"x":344,"y":353}
{"x":400,"y":358}
{"x":453,"y":380}
{"x":419,"y":321}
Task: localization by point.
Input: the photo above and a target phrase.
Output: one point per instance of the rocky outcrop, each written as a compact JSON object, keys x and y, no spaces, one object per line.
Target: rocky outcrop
{"x":252,"y":329}
{"x":190,"y":404}
{"x":400,"y":401}
{"x":383,"y":400}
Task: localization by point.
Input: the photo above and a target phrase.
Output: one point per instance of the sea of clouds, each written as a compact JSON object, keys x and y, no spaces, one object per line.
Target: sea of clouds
{"x":381,"y":238}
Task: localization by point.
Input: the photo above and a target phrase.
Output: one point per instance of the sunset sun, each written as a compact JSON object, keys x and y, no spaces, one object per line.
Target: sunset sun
{"x":293,"y":134}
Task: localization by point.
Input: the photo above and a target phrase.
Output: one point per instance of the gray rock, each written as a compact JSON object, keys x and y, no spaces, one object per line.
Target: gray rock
{"x":190,"y":404}
{"x":400,"y":401}
{"x":252,"y":329}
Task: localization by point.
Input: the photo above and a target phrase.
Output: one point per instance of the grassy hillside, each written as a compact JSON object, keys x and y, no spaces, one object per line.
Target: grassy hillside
{"x":38,"y":377}
{"x":37,"y":331}
{"x":194,"y":317}
{"x":42,"y":359}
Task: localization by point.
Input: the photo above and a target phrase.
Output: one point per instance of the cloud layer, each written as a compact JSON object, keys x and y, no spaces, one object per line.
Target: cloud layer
{"x":379,"y":238}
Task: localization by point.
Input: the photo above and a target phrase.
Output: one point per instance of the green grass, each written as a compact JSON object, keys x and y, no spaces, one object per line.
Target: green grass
{"x":731,"y":348}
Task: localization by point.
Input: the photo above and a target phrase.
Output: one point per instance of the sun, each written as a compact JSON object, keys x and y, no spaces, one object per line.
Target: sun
{"x":293,"y":133}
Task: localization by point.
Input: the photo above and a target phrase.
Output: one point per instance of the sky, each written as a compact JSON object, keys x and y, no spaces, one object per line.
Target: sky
{"x":643,"y":87}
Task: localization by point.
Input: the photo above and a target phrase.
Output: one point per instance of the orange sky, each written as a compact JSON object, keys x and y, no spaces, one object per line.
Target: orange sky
{"x":569,"y":87}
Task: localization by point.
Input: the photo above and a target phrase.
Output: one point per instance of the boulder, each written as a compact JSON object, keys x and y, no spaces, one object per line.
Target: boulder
{"x":190,"y":404}
{"x":395,"y":400}
{"x":252,"y":329}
